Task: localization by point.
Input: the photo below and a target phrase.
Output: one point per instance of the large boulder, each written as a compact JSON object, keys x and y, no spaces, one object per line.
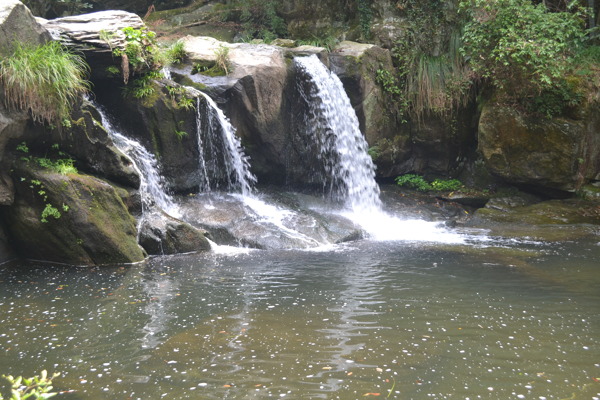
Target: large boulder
{"x":18,"y":24}
{"x":253,"y":97}
{"x":558,"y":154}
{"x":72,"y":219}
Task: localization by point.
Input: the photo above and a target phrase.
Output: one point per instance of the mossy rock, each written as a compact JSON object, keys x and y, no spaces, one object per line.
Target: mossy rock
{"x":72,"y":219}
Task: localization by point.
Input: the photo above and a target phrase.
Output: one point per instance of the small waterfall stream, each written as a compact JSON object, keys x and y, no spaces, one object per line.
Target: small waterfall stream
{"x":222,"y":157}
{"x":350,"y":172}
{"x":152,"y":188}
{"x":343,"y":149}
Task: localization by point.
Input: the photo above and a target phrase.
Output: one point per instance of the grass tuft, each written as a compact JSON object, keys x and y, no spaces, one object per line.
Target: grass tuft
{"x":44,"y":80}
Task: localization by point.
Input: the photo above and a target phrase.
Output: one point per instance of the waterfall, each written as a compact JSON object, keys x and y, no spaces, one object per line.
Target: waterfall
{"x":152,"y":189}
{"x":222,"y":158}
{"x":332,"y":123}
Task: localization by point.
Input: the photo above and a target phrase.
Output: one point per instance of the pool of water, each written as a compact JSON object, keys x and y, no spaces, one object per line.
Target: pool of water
{"x":402,"y":320}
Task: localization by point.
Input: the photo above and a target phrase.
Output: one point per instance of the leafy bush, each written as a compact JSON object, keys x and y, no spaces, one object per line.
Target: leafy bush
{"x":419,"y":183}
{"x":34,"y":388}
{"x":44,"y":80}
{"x":520,"y":48}
{"x":414,"y":182}
{"x":446,"y":185}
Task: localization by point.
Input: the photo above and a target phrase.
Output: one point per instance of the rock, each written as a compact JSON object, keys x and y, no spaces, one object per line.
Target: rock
{"x":551,"y":155}
{"x":232,"y":220}
{"x":161,"y":234}
{"x":253,"y":99}
{"x":12,"y":126}
{"x":155,"y":122}
{"x":590,"y":192}
{"x":471,"y":199}
{"x":356,"y":65}
{"x":6,"y":252}
{"x":288,"y":43}
{"x":18,"y":24}
{"x":86,"y":220}
{"x":82,"y":34}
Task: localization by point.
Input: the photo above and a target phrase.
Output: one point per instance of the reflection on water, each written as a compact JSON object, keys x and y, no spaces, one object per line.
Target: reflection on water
{"x":363,"y":320}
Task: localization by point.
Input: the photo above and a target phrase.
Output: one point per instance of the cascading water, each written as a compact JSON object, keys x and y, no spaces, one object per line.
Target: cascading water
{"x":151,"y":187}
{"x":349,"y":170}
{"x":222,"y":157}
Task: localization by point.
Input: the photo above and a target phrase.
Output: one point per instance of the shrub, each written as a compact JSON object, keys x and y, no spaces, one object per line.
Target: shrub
{"x":520,"y":48}
{"x":419,"y":183}
{"x":44,"y":80}
{"x":34,"y":388}
{"x":414,"y":182}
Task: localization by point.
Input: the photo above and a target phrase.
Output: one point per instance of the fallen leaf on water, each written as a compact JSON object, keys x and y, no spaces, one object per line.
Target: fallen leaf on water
{"x":226,"y":385}
{"x":349,"y":373}
{"x":327,"y":368}
{"x":371,"y":394}
{"x":378,"y":369}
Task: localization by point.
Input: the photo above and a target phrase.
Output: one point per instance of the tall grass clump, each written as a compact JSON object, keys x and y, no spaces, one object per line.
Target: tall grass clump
{"x":439,"y":83}
{"x":44,"y":80}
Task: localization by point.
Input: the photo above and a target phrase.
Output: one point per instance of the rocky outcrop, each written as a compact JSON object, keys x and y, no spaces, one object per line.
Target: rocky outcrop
{"x":549,"y":154}
{"x":74,"y":219}
{"x":161,"y":234}
{"x":18,"y":24}
{"x":164,"y":127}
{"x":88,"y":34}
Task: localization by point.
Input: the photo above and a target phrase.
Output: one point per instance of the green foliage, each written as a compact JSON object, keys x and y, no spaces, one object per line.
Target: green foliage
{"x":34,"y":388}
{"x":50,"y":211}
{"x":142,"y":87}
{"x":63,"y":166}
{"x":374,"y":152}
{"x":22,"y":147}
{"x":186,"y":103}
{"x":140,"y":48}
{"x":260,"y":19}
{"x":365,"y":17}
{"x":222,"y":59}
{"x":176,"y":52}
{"x":521,"y":48}
{"x":45,"y":80}
{"x":218,"y":67}
{"x":419,"y":183}
{"x":414,"y":182}
{"x":180,"y":134}
{"x":388,"y":82}
{"x":446,"y":185}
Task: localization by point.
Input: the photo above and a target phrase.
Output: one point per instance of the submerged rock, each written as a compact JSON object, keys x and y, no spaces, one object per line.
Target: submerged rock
{"x":161,"y":234}
{"x":72,"y":219}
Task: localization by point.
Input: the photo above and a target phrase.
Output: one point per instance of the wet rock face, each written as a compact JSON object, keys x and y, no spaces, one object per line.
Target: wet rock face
{"x":550,"y":154}
{"x":73,"y":219}
{"x":18,"y":24}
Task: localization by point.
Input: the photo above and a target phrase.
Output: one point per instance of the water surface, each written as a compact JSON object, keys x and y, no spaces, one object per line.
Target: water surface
{"x":368,"y":319}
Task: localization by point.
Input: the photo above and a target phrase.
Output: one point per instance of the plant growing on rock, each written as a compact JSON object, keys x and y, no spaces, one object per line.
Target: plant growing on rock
{"x":44,"y":80}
